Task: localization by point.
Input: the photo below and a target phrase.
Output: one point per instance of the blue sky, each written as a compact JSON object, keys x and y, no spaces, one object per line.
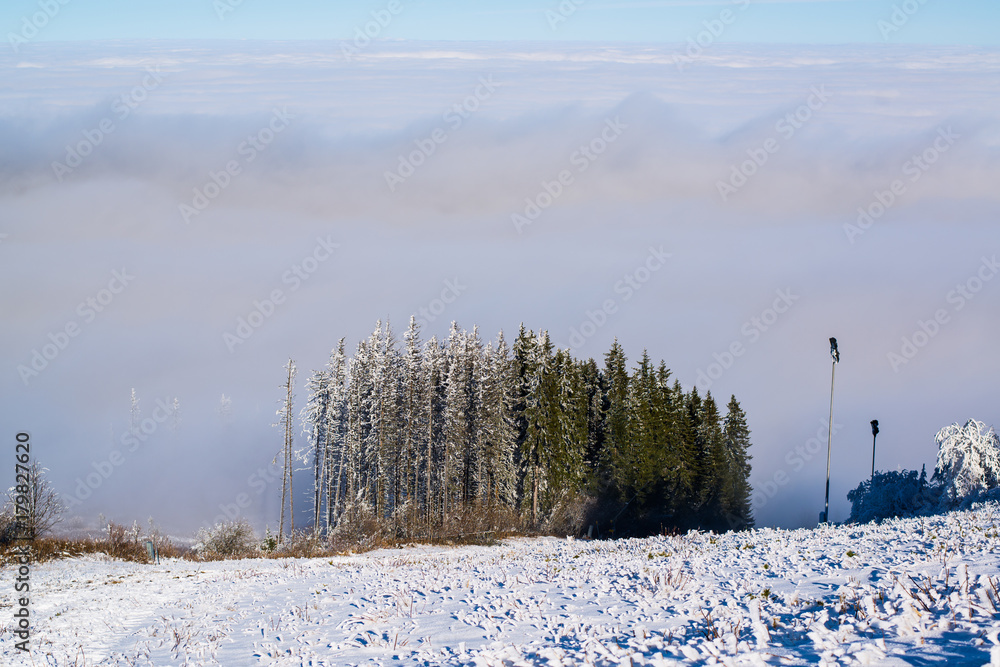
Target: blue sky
{"x":956,"y":22}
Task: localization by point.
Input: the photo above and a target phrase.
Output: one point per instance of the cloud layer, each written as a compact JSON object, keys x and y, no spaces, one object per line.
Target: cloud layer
{"x":540,"y":179}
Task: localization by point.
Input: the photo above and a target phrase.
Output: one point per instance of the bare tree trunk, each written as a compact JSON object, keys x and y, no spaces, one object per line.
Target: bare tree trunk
{"x":534,"y":495}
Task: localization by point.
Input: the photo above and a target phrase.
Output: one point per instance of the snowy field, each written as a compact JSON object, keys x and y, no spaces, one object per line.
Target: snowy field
{"x":908,"y":592}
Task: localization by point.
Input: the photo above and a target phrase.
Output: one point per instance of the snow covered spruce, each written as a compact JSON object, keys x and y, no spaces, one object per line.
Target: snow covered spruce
{"x":876,"y":594}
{"x":461,"y":437}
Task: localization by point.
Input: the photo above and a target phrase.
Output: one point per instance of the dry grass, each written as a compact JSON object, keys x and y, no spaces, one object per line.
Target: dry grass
{"x":121,"y":542}
{"x":358,"y":531}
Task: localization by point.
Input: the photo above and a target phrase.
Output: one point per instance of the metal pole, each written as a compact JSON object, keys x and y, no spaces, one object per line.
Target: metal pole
{"x":873,"y":457}
{"x":874,"y":424}
{"x":829,"y":446}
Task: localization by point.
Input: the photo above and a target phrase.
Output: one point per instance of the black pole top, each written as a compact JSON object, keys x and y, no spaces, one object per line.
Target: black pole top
{"x":874,"y":427}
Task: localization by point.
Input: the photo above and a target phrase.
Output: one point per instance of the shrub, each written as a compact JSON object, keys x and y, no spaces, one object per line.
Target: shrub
{"x":124,"y":542}
{"x":892,"y":494}
{"x":229,"y":539}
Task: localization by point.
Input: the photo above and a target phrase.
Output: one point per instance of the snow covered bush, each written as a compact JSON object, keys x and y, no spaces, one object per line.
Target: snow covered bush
{"x":892,"y":494}
{"x":968,"y":462}
{"x":229,"y":539}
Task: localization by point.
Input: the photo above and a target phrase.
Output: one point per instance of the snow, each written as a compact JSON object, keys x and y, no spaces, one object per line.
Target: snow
{"x":920,"y":589}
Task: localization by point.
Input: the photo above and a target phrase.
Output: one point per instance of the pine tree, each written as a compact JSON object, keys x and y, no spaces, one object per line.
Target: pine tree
{"x":714,"y":492}
{"x":314,"y":425}
{"x":359,"y":409}
{"x":286,"y":422}
{"x":526,"y":416}
{"x":414,"y":418}
{"x":498,"y":437}
{"x":739,"y":514}
{"x":640,"y":456}
{"x":593,"y":386}
{"x":435,"y":372}
{"x":335,"y":445}
{"x":617,"y":434}
{"x":564,"y":458}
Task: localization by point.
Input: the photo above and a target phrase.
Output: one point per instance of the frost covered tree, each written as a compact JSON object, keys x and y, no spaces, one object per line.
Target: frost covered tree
{"x":414,"y":419}
{"x":36,"y":496}
{"x":891,"y":494}
{"x":434,"y":369}
{"x":968,"y":461}
{"x":286,"y":422}
{"x":385,"y":421}
{"x":459,"y":421}
{"x":135,"y":414}
{"x":225,"y":409}
{"x":335,"y":433}
{"x":496,"y":433}
{"x":314,"y":425}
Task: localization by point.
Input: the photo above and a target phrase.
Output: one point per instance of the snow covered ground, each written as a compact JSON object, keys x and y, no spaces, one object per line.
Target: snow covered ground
{"x":907,"y":592}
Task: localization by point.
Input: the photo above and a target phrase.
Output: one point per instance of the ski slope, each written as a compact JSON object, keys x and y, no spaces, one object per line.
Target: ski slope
{"x":908,"y":591}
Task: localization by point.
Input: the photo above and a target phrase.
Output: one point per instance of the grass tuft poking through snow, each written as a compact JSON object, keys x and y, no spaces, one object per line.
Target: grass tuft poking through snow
{"x":869,"y":595}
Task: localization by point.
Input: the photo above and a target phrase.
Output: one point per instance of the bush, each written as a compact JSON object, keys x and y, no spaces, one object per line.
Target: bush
{"x":572,"y":515}
{"x":230,"y":539}
{"x":124,"y":543}
{"x":892,"y":494}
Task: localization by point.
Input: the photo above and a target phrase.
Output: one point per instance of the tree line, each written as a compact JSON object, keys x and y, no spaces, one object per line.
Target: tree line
{"x":421,"y":436}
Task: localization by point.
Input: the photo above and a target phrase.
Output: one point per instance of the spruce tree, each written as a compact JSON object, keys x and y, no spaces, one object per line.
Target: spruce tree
{"x":414,"y":420}
{"x":616,"y":418}
{"x":714,"y":492}
{"x":435,"y":372}
{"x":739,"y":514}
{"x":498,"y":438}
{"x":335,"y":433}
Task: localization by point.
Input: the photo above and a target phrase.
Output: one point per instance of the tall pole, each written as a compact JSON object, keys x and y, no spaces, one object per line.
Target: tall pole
{"x":874,"y":433}
{"x":835,"y":353}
